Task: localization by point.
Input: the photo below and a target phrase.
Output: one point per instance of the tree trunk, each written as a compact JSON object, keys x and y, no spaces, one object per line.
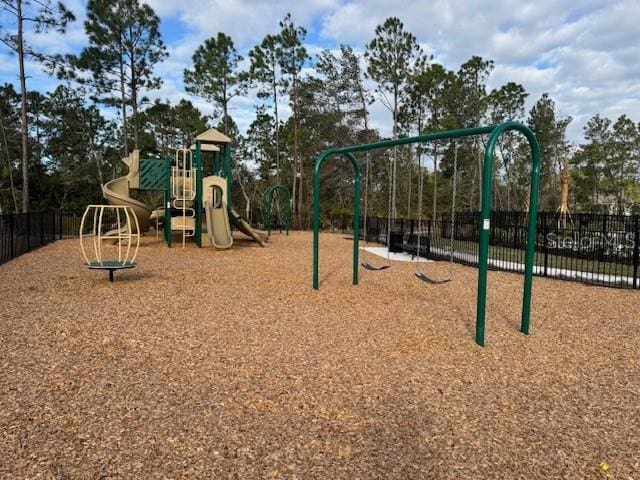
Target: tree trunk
{"x":508,"y":169}
{"x":435,"y":182}
{"x":410,"y":180}
{"x":247,"y":200}
{"x":365,"y":122}
{"x":134,"y":103}
{"x":123,"y":97}
{"x":563,"y":209}
{"x":473,"y":188}
{"x":225,"y":106}
{"x":92,"y":153}
{"x":9,"y":167}
{"x":293,"y":189}
{"x":296,"y":158}
{"x":294,"y":161}
{"x":23,"y":112}
{"x":276,"y":120}
{"x":480,"y":170}
{"x":395,"y":153}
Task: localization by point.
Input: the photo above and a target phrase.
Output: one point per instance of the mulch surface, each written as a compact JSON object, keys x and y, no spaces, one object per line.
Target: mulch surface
{"x":227,"y":365}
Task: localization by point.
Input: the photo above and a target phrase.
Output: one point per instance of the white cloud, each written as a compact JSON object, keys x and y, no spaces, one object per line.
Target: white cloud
{"x":246,"y":21}
{"x":585,"y":54}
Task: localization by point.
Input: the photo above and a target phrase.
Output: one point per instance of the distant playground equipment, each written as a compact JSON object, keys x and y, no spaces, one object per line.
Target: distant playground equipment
{"x":109,"y":237}
{"x":117,"y":191}
{"x":494,"y":132}
{"x":196,"y":181}
{"x":278,"y":218}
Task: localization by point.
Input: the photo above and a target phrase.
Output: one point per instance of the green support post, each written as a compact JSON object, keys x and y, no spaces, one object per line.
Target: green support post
{"x":167,"y":203}
{"x":316,"y":213}
{"x":495,"y":132}
{"x":227,"y":172}
{"x":198,"y":201}
{"x":485,"y":225}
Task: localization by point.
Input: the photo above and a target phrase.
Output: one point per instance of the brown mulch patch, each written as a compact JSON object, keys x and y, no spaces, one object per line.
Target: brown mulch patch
{"x":226,"y":364}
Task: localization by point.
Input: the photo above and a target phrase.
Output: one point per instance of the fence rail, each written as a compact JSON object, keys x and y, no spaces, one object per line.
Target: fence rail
{"x":22,"y":232}
{"x":593,"y":248}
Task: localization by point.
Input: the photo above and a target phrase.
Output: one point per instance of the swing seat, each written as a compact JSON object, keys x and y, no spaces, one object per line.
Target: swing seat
{"x":368,"y":266}
{"x":421,"y":276}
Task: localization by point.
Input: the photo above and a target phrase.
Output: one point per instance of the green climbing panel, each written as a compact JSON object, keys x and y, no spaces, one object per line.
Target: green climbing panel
{"x":153,"y":174}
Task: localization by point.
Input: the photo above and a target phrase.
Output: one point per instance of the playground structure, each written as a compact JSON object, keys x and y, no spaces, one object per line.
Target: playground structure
{"x":191,"y":185}
{"x":117,"y":191}
{"x":109,"y":237}
{"x":278,"y":218}
{"x":494,"y":132}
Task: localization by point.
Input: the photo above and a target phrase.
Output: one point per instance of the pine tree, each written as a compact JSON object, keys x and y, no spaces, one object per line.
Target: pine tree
{"x":266,"y":72}
{"x":10,"y":138}
{"x":393,"y":56}
{"x":292,"y":56}
{"x":125,"y":44}
{"x":41,"y":16}
{"x":473,"y":75}
{"x":425,"y":110}
{"x":215,"y":75}
{"x":623,"y":168}
{"x":77,"y":140}
{"x":554,"y":148}
{"x":507,"y":103}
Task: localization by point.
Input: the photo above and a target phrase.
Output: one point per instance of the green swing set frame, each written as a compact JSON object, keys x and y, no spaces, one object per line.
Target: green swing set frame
{"x":494,"y":132}
{"x":283,"y":208}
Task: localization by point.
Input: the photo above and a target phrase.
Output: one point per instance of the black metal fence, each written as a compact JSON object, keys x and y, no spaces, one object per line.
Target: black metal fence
{"x":23,"y":232}
{"x":593,"y":248}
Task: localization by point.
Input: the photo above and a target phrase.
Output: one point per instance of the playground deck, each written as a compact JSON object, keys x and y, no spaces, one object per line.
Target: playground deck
{"x":226,"y":364}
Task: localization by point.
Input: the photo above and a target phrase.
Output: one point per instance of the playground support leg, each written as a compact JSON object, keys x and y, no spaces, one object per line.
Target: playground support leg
{"x":485,"y":222}
{"x":531,"y":237}
{"x":316,"y":213}
{"x":483,"y":249}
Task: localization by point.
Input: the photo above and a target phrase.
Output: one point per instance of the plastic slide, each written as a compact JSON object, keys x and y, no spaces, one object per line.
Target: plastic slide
{"x":258,"y":235}
{"x":116,"y":192}
{"x":218,"y":227}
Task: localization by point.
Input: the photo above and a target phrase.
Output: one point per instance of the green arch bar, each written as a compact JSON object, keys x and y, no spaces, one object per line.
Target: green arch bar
{"x":495,"y":131}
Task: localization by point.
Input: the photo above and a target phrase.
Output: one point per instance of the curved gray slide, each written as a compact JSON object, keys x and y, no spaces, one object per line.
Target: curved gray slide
{"x":218,"y":227}
{"x":258,"y":235}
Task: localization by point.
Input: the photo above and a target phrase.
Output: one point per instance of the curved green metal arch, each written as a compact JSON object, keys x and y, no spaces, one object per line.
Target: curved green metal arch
{"x":485,"y":218}
{"x":316,"y":211}
{"x":495,"y":132}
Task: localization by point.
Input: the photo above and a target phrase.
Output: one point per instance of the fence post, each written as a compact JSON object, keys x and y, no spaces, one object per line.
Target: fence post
{"x":545,"y":241}
{"x":28,"y":215}
{"x":604,"y":236}
{"x":636,"y":250}
{"x":41,"y":215}
{"x":12,"y":222}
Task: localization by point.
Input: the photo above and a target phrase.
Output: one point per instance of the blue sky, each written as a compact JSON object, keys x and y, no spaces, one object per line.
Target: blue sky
{"x":584,"y":53}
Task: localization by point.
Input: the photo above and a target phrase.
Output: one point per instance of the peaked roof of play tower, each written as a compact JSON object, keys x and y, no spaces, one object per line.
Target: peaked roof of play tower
{"x":213,"y":136}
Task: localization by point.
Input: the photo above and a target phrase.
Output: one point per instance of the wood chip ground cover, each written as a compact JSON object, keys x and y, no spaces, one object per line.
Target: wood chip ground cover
{"x":226,"y":364}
